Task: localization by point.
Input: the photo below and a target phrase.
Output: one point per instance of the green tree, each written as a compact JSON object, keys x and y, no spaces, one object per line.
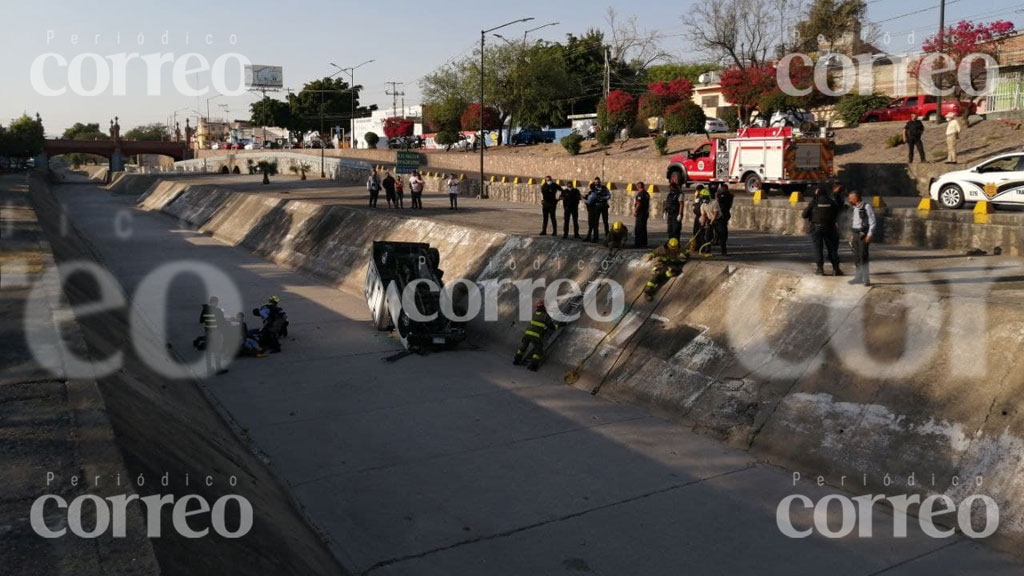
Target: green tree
{"x":684,"y":117}
{"x":26,"y":136}
{"x":444,"y":115}
{"x":270,"y":112}
{"x":852,"y":106}
{"x":831,"y":25}
{"x":330,"y":96}
{"x":81,"y":131}
{"x":155,"y":131}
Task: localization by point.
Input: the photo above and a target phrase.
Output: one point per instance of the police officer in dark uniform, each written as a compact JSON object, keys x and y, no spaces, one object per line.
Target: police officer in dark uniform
{"x":549,"y":201}
{"x":672,"y":207}
{"x":725,"y":198}
{"x":823,"y":212}
{"x":571,"y":209}
{"x":642,"y":211}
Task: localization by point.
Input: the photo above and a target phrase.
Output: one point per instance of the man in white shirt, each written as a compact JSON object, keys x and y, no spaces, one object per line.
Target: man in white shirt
{"x":416,"y":183}
{"x":453,"y":192}
{"x":952,"y":135}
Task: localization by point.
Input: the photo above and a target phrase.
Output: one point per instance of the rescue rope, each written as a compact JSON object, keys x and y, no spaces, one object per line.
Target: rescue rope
{"x":664,"y":291}
{"x":573,"y":376}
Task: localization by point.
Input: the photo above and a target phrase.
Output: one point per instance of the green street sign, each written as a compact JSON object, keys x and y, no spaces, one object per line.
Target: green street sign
{"x":407,"y":162}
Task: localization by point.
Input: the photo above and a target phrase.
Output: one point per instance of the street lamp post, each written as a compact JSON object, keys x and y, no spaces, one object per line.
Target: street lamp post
{"x":483,"y":37}
{"x":352,"y":100}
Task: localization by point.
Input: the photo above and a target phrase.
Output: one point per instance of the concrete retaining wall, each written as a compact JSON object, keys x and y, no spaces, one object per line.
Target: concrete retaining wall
{"x":806,"y":372}
{"x":938,"y":229}
{"x":886,"y":179}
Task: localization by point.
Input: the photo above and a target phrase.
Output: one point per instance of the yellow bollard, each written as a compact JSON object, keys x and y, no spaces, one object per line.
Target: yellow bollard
{"x":982,"y":210}
{"x":878,"y":202}
{"x":759,"y":195}
{"x":796,"y":198}
{"x":492,"y":179}
{"x":611,"y":185}
{"x":927,"y":204}
{"x":504,"y":180}
{"x":515,"y":180}
{"x":575,"y":183}
{"x":530,"y":182}
{"x":653,"y":188}
{"x":629,"y":187}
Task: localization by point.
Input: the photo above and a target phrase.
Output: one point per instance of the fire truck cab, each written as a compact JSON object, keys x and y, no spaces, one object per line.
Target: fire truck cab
{"x":759,"y":158}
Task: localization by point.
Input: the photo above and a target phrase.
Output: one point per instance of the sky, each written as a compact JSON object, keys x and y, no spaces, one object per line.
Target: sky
{"x":405,"y":39}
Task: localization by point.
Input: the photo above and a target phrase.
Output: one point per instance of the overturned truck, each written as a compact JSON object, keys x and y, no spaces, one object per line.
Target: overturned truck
{"x":402,"y":274}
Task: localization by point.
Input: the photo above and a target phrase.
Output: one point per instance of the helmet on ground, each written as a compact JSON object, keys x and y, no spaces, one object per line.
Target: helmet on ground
{"x":274,"y":300}
{"x":617,"y":226}
{"x":673,"y":243}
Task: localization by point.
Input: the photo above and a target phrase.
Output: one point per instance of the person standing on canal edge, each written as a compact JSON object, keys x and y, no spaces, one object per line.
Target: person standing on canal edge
{"x":641,"y":211}
{"x":863,"y":231}
{"x":549,"y":192}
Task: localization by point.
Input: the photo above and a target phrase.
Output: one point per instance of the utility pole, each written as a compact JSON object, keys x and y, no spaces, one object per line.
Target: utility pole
{"x":607,"y":75}
{"x":942,"y":33}
{"x":394,"y":93}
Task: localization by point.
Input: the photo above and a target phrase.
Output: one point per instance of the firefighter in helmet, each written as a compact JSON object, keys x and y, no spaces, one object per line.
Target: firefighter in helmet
{"x":670,"y":259}
{"x":532,"y":347}
{"x":617,"y":237}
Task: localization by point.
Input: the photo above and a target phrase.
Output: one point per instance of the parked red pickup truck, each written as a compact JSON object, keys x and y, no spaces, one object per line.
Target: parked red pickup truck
{"x":900,"y":109}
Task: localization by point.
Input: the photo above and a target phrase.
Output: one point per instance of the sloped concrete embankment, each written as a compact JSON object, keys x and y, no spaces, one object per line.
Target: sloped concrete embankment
{"x":867,"y":387}
{"x":167,"y":428}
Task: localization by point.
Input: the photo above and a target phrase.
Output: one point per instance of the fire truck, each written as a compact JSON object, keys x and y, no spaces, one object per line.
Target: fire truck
{"x":759,"y":158}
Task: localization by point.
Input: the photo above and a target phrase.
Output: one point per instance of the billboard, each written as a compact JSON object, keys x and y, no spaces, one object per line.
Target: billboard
{"x":258,"y":76}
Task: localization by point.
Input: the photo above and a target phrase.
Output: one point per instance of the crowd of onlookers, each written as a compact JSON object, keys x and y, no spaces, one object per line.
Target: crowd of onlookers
{"x":394,"y":189}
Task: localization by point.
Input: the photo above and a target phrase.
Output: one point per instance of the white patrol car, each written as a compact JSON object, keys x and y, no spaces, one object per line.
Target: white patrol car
{"x":999,"y":180}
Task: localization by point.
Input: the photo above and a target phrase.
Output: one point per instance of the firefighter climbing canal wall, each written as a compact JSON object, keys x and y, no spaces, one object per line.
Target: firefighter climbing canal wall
{"x":669,"y":264}
{"x":532,"y":347}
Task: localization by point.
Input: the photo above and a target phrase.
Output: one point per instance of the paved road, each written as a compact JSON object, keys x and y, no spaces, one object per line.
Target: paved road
{"x":459,"y":463}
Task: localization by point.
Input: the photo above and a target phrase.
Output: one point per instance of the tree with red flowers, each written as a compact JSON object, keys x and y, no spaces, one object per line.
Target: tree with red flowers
{"x":661,"y":95}
{"x":397,"y":127}
{"x":675,"y":91}
{"x":744,"y":87}
{"x":957,"y":43}
{"x":618,"y":110}
{"x":471,"y":118}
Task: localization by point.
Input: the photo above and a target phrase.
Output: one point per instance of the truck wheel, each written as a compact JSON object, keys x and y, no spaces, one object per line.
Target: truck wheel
{"x":871,"y":119}
{"x":951,"y":196}
{"x":930,"y":117}
{"x":381,"y":316}
{"x":752,"y":183}
{"x":678,"y":176}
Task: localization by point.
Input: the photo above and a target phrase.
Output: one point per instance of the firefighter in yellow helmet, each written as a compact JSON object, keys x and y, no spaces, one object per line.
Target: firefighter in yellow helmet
{"x":617,"y":237}
{"x":669,"y":260}
{"x":532,"y":347}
